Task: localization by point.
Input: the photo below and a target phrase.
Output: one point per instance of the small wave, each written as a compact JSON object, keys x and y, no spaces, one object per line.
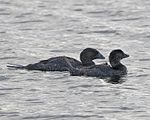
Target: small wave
{"x":133,"y":18}
{"x":82,"y":86}
{"x":1,"y":9}
{"x":130,"y":88}
{"x":70,"y":30}
{"x":41,"y":6}
{"x":142,"y":75}
{"x":33,"y":90}
{"x":100,"y":86}
{"x":145,"y":116}
{"x":99,"y":31}
{"x":105,"y":31}
{"x":78,"y":4}
{"x":23,"y":15}
{"x":86,"y":86}
{"x":97,"y":12}
{"x":117,"y":19}
{"x":26,"y":29}
{"x":32,"y":79}
{"x":1,"y":94}
{"x":29,"y":21}
{"x":57,"y":51}
{"x":62,"y":116}
{"x":79,"y":9}
{"x":3,"y":78}
{"x":128,"y":19}
{"x":126,"y":108}
{"x":147,"y":59}
{"x":2,"y":32}
{"x":48,"y":15}
{"x":32,"y":99}
{"x":119,"y":108}
{"x":9,"y":114}
{"x":5,"y":58}
{"x":10,"y":89}
{"x":4,"y":2}
{"x":146,"y":68}
{"x":5,"y":13}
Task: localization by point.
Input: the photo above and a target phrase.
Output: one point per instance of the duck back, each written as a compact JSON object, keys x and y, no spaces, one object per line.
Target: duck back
{"x":53,"y":64}
{"x":99,"y":71}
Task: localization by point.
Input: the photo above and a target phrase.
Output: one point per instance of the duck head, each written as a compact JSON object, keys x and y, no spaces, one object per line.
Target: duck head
{"x":115,"y":57}
{"x":89,"y":54}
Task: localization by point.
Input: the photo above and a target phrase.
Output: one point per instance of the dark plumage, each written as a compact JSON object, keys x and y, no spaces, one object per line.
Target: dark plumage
{"x":59,"y":63}
{"x":104,"y":70}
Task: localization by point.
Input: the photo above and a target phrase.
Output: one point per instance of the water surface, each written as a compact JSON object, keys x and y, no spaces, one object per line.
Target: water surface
{"x":32,"y":30}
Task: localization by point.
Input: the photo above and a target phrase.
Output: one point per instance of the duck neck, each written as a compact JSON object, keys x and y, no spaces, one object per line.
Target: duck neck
{"x":87,"y":62}
{"x":116,"y":64}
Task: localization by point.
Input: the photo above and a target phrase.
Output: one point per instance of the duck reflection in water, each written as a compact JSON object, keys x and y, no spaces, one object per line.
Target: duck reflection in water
{"x":115,"y":79}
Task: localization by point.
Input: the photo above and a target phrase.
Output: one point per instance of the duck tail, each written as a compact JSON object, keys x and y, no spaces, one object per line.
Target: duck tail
{"x":15,"y":66}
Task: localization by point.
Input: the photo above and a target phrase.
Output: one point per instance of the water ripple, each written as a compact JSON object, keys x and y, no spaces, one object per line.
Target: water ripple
{"x":62,"y":116}
{"x":10,"y":89}
{"x":82,"y":86}
{"x":127,"y":19}
{"x":79,"y":9}
{"x":142,"y":75}
{"x":26,"y":29}
{"x":24,"y":14}
{"x":1,"y":9}
{"x":5,"y":58}
{"x":9,"y":114}
{"x":4,"y":2}
{"x":3,"y":78}
{"x":97,"y":12}
{"x":144,"y":59}
{"x":133,"y":18}
{"x":5,"y":13}
{"x":78,"y":4}
{"x":29,"y":21}
{"x":2,"y":32}
{"x":130,"y":88}
{"x":1,"y":94}
{"x":48,"y":15}
{"x":99,"y":31}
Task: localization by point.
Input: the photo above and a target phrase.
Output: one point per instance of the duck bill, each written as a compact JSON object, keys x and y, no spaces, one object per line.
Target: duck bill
{"x":99,"y":56}
{"x":125,"y":56}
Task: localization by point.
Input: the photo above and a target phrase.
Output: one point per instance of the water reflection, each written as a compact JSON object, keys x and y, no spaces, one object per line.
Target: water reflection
{"x":115,"y":79}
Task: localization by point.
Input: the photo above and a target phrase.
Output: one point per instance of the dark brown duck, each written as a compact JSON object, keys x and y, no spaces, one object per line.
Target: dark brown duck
{"x":59,"y":63}
{"x":116,"y":68}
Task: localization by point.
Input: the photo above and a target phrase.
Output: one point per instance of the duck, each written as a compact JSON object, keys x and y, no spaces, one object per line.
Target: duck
{"x":59,"y":63}
{"x":115,"y":69}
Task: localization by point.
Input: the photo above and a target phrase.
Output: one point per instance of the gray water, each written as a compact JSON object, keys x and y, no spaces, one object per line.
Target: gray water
{"x":31,"y":30}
